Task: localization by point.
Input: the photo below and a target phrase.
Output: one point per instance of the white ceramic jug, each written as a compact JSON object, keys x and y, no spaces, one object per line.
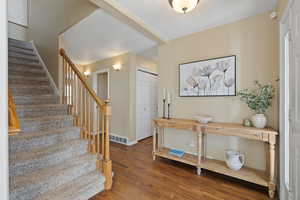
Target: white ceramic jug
{"x":234,"y":159}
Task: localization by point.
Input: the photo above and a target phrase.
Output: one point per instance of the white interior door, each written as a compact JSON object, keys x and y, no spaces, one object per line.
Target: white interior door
{"x":295,"y":101}
{"x":290,"y":103}
{"x":146,"y":103}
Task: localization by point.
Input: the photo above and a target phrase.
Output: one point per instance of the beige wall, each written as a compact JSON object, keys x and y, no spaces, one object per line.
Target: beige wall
{"x":47,"y":19}
{"x":122,"y":90}
{"x":281,"y":6}
{"x":255,"y":42}
{"x":119,"y":91}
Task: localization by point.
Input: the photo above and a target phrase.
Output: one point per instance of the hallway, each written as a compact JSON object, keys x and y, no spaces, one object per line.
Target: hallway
{"x":138,"y":177}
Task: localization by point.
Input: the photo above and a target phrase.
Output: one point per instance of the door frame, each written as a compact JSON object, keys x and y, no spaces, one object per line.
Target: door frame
{"x":4,"y":191}
{"x":140,"y":69}
{"x":284,"y":28}
{"x":95,"y":81}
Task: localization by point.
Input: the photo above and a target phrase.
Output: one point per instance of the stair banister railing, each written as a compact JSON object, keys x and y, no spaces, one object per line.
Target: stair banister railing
{"x":14,"y":126}
{"x":91,"y":113}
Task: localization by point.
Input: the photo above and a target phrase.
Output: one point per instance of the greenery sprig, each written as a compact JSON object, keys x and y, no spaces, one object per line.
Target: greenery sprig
{"x":258,"y":99}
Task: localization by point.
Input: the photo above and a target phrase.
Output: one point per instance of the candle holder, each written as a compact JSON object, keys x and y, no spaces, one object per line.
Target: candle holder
{"x":164,"y":108}
{"x":169,"y":111}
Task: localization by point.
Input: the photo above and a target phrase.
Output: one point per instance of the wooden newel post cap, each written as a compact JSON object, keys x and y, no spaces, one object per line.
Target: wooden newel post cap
{"x":62,"y":52}
{"x":107,"y":108}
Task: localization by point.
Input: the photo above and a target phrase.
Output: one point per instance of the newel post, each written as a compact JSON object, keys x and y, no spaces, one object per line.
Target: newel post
{"x":107,"y":163}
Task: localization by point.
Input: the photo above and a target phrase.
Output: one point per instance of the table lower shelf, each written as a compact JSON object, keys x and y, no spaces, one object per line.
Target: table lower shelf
{"x":248,"y":174}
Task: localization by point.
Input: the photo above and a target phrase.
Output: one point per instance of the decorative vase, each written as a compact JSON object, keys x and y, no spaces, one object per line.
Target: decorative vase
{"x":259,"y":120}
{"x":234,"y":160}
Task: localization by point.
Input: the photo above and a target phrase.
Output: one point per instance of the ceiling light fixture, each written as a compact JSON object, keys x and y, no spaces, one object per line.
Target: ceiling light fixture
{"x":183,"y":6}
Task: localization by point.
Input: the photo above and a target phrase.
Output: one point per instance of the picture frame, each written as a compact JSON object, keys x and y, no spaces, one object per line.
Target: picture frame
{"x":215,"y":77}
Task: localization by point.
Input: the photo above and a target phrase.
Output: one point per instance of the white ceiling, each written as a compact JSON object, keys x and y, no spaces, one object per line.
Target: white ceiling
{"x":101,"y":36}
{"x":160,"y":17}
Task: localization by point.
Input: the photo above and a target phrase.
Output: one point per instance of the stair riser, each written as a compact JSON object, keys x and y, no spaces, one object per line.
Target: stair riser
{"x":38,"y":74}
{"x":18,"y":145}
{"x":25,"y":65}
{"x":31,"y":100}
{"x":30,"y":57}
{"x":24,"y":68}
{"x":32,"y":91}
{"x":22,"y":61}
{"x":21,"y":51}
{"x":28,"y":82}
{"x":20,"y":168}
{"x":33,"y":190}
{"x":42,"y":111}
{"x":33,"y":126}
{"x":20,"y":44}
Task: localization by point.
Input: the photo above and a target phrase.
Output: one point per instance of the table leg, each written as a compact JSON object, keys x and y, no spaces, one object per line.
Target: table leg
{"x":199,"y":152}
{"x":162,"y":135}
{"x":272,"y":184}
{"x":154,"y":143}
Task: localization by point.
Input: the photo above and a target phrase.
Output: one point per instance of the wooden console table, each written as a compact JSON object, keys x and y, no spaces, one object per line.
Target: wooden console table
{"x":264,"y":178}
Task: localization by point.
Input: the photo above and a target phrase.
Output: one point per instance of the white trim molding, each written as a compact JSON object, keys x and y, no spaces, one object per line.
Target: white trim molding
{"x":4,"y":195}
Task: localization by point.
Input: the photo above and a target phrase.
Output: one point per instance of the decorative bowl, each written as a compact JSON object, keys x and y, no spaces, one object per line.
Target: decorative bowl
{"x":204,"y":119}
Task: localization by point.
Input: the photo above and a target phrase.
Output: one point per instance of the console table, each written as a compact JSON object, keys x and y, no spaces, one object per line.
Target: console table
{"x":265,"y":178}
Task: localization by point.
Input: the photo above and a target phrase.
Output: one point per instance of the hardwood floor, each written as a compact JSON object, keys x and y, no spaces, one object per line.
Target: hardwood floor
{"x":138,"y":177}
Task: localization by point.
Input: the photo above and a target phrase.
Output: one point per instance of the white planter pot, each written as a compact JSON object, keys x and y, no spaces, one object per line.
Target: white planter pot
{"x":259,"y":120}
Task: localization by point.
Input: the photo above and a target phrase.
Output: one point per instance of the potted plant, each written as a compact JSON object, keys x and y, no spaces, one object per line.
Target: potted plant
{"x":259,"y":100}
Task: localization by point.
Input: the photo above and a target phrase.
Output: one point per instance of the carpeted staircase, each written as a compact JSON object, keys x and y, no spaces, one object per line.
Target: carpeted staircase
{"x":48,"y":160}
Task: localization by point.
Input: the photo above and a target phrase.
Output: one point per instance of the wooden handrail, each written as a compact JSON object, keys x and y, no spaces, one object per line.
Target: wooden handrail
{"x":99,"y":101}
{"x":13,"y":120}
{"x":91,"y":113}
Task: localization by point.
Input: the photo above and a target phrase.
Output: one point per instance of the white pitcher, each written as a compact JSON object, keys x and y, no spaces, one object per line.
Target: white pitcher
{"x":234,"y":159}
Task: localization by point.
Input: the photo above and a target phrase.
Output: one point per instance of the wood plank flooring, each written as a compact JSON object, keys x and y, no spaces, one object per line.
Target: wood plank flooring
{"x":138,"y":177}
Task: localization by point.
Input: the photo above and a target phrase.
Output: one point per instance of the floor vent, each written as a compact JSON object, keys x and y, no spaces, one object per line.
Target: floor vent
{"x":118,"y":139}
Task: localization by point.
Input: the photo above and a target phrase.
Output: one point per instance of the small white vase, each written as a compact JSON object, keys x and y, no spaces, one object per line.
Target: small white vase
{"x":259,"y":120}
{"x":234,"y":159}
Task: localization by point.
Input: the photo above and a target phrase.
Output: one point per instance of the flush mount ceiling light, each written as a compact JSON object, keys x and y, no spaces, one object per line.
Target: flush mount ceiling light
{"x":183,"y":6}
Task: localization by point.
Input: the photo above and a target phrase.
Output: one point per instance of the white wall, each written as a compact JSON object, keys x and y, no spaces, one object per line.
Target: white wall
{"x":3,"y":103}
{"x":18,"y":12}
{"x":17,"y":32}
{"x":17,"y":19}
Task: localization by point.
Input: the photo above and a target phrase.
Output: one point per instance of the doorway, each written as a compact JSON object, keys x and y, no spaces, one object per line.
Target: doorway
{"x":101,"y":83}
{"x":146,"y":103}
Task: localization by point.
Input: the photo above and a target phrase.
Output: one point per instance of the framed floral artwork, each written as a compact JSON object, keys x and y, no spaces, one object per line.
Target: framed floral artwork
{"x":205,"y":78}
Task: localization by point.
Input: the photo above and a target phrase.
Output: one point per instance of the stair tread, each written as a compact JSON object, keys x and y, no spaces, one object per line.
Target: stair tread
{"x":38,"y":139}
{"x":47,"y":118}
{"x":36,"y":96}
{"x":19,"y":157}
{"x":51,"y":172}
{"x":34,"y":134}
{"x":11,"y":62}
{"x":82,"y":188}
{"x":28,"y":86}
{"x":38,"y":78}
{"x":23,"y":56}
{"x":20,"y":50}
{"x":33,"y":106}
